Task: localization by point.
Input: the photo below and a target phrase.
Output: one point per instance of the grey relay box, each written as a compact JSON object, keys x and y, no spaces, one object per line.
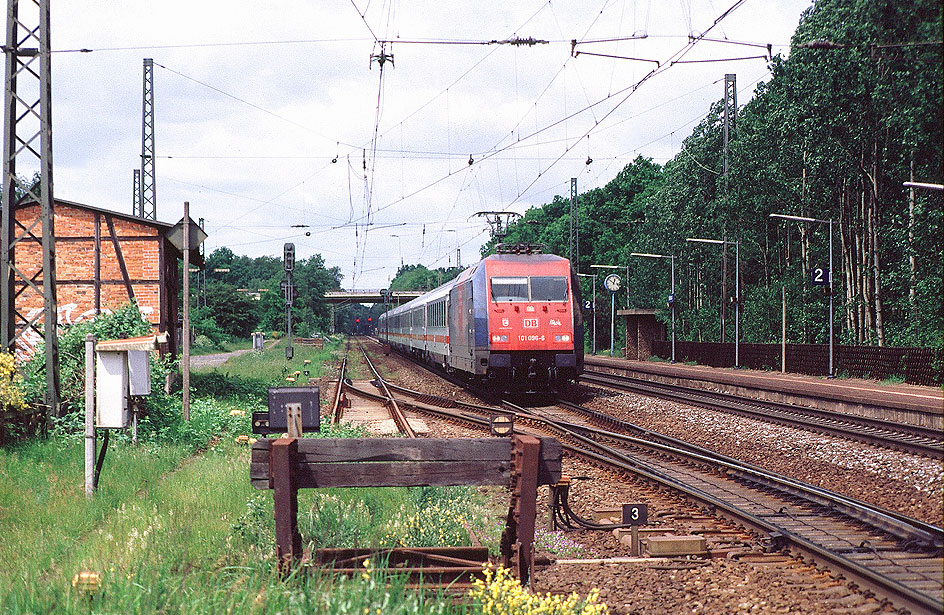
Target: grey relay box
{"x":306,"y":397}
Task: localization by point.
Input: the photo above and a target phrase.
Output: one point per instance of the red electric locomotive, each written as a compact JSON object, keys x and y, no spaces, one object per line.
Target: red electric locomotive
{"x":513,"y":318}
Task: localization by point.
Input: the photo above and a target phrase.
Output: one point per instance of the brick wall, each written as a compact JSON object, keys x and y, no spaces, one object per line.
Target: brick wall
{"x":139,"y":243}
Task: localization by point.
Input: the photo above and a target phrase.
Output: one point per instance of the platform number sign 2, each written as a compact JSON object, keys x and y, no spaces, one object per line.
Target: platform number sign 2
{"x":819,"y":276}
{"x":588,"y":304}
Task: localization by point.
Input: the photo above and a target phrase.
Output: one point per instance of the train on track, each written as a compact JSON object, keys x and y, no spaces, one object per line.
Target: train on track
{"x":513,"y":320}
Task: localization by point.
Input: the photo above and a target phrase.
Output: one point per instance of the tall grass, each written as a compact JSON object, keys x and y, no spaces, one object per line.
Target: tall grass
{"x":178,"y":531}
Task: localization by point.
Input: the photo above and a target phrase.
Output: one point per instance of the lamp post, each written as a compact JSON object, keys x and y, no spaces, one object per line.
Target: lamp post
{"x":593,"y":276}
{"x":832,"y":366}
{"x":737,"y":291}
{"x":399,"y":251}
{"x":612,"y":283}
{"x":671,"y":258}
{"x":452,"y":230}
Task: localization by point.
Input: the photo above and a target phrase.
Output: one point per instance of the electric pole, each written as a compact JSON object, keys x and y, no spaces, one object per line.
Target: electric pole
{"x":147,"y":203}
{"x":27,"y":139}
{"x":136,"y":193}
{"x":730,"y":114}
{"x":574,"y":228}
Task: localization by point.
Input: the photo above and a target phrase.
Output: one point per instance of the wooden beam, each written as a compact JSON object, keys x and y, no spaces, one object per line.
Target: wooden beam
{"x":92,"y":281}
{"x":98,"y":263}
{"x":288,"y":540}
{"x":393,"y":462}
{"x":123,"y":238}
{"x":528,"y":452}
{"x":395,"y":474}
{"x":121,"y":258}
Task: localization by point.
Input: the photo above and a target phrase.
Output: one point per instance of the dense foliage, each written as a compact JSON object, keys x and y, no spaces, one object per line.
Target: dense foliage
{"x":832,"y":135}
{"x":238,"y":295}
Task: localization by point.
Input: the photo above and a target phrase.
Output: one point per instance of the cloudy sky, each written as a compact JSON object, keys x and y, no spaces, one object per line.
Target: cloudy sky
{"x":276,"y":122}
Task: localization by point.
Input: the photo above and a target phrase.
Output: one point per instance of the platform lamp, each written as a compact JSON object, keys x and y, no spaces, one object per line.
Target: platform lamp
{"x":832,"y":365}
{"x":737,"y":291}
{"x":671,"y":257}
{"x":593,"y":276}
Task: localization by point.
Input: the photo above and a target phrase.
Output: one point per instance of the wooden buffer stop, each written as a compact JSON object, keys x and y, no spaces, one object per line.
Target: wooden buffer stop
{"x":522,"y":463}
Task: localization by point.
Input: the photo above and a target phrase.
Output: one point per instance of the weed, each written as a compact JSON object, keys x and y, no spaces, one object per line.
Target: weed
{"x":558,"y":544}
{"x":501,"y":593}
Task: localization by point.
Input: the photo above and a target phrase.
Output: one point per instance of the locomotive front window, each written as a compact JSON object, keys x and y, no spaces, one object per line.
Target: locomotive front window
{"x":548,"y":288}
{"x":509,"y":289}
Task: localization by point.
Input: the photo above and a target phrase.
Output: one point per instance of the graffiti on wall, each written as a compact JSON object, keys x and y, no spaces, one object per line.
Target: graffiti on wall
{"x":67,"y":315}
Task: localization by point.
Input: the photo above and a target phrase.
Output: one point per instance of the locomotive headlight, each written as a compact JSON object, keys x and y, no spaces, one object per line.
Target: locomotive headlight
{"x":499,"y":338}
{"x":562,"y":338}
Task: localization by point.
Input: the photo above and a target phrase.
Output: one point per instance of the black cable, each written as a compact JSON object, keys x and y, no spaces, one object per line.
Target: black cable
{"x":101,"y":458}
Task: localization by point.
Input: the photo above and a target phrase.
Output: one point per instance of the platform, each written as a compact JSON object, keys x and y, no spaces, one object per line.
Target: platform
{"x":905,"y":403}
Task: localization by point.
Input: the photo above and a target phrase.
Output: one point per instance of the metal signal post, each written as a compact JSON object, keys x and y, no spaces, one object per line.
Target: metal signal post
{"x":288,"y":292}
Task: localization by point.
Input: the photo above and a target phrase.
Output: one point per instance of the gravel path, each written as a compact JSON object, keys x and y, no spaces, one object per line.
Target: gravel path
{"x":214,"y":360}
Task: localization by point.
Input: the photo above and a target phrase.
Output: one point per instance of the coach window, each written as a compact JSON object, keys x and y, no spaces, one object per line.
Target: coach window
{"x":548,"y":288}
{"x":509,"y":289}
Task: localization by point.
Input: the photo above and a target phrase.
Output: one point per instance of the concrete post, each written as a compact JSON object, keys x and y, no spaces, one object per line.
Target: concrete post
{"x":89,"y":415}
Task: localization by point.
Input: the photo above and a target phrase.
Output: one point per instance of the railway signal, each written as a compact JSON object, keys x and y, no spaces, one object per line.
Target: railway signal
{"x":288,"y":257}
{"x":288,"y":293}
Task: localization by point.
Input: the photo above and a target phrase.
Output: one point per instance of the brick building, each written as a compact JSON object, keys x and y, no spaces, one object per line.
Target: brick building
{"x":103,"y":260}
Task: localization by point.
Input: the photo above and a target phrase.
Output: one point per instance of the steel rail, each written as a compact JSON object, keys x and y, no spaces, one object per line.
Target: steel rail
{"x":887,"y":520}
{"x":907,"y":429}
{"x":399,"y":418}
{"x":907,"y":438}
{"x":912,"y":532}
{"x":929,"y":538}
{"x":336,"y":410}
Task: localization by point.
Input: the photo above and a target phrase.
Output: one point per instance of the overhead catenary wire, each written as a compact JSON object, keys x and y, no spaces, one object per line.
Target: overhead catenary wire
{"x":246,"y":102}
{"x":515,"y":146}
{"x":628,"y":91}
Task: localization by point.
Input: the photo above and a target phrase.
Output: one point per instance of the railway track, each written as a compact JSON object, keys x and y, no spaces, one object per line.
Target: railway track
{"x":897,"y":436}
{"x":385,"y":396}
{"x":897,"y":558}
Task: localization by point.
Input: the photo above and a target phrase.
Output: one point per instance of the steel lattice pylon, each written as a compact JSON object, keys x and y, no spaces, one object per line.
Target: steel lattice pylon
{"x":730,"y":115}
{"x":574,"y":227}
{"x":27,"y":140}
{"x":136,"y":193}
{"x":147,"y":204}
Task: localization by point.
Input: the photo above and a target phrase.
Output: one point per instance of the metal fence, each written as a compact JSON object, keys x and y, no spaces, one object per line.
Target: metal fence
{"x":914,"y":365}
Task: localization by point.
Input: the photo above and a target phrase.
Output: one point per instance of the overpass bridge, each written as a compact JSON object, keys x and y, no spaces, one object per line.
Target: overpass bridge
{"x":374,"y":295}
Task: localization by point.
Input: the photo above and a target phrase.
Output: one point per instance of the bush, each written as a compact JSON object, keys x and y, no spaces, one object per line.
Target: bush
{"x":218,"y":384}
{"x":124,"y":322}
{"x":500,"y":592}
{"x":11,"y":395}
